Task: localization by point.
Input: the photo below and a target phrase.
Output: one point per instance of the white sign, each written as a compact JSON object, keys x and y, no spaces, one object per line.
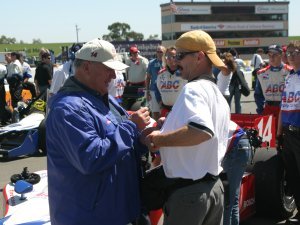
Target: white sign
{"x":235,"y":26}
{"x":219,"y":43}
{"x":268,"y":9}
{"x":191,"y":10}
{"x":251,"y":42}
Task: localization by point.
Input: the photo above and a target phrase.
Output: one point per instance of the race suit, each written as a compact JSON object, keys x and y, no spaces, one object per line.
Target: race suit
{"x":269,"y":87}
{"x":169,"y":84}
{"x":290,"y":116}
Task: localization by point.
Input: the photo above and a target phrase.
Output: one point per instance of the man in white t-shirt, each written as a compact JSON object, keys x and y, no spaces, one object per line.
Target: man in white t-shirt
{"x":193,"y":139}
{"x":136,"y":77}
{"x":63,"y":72}
{"x":14,"y":78}
{"x":137,"y":70}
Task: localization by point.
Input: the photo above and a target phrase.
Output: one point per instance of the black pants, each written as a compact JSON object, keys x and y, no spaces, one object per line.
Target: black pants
{"x":291,"y":158}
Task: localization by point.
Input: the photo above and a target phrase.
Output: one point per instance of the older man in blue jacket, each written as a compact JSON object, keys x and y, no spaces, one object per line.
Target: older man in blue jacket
{"x":93,"y":146}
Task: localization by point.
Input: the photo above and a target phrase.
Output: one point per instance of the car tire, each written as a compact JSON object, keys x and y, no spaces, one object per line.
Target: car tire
{"x":32,"y":178}
{"x":42,"y":137}
{"x":271,"y":191}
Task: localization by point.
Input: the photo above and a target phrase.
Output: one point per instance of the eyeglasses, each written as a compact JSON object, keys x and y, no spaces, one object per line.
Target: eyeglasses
{"x":293,"y":53}
{"x":159,"y":52}
{"x":171,"y":57}
{"x":180,"y":55}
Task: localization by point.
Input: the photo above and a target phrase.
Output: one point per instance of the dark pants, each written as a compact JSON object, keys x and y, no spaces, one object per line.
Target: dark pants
{"x":16,"y":95}
{"x":236,"y":93}
{"x":291,"y":158}
{"x":3,"y":117}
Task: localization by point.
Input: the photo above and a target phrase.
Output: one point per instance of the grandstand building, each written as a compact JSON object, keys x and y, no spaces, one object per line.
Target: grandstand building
{"x":245,"y":26}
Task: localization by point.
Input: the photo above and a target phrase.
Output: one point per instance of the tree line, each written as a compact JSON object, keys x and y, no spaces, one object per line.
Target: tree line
{"x":117,"y":32}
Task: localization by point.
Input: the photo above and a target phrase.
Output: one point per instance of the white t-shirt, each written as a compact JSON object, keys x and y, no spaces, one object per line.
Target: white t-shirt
{"x":223,"y":83}
{"x":257,"y":61}
{"x":26,"y":68}
{"x":200,"y":102}
{"x":137,"y":70}
{"x":61,"y":74}
{"x":240,"y":63}
{"x":14,"y":68}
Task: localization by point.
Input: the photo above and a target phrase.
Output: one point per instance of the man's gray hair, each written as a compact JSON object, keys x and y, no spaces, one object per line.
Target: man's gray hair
{"x":78,"y":63}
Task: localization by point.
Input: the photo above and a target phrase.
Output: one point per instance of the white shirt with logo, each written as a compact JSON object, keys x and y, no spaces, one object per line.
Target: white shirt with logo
{"x":272,"y":81}
{"x":169,"y":86}
{"x":116,"y":86}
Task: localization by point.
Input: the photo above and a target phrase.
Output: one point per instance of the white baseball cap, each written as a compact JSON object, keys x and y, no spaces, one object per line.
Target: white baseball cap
{"x":102,"y":51}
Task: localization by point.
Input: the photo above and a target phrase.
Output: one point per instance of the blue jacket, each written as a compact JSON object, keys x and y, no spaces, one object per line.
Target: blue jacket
{"x":93,"y":160}
{"x":154,"y":67}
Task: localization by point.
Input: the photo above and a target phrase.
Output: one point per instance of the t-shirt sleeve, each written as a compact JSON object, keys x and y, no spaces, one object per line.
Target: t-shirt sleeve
{"x":196,"y":101}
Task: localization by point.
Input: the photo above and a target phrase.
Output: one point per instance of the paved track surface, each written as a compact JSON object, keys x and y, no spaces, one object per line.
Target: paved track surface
{"x":39,"y":162}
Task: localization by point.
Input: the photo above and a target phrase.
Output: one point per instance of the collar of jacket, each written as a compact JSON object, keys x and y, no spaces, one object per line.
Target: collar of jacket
{"x":72,"y":84}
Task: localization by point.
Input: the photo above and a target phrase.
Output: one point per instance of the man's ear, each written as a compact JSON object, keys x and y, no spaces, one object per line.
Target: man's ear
{"x":86,"y":65}
{"x":201,"y":54}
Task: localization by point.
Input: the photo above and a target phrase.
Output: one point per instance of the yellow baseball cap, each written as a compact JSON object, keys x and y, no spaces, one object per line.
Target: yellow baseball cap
{"x":199,"y":40}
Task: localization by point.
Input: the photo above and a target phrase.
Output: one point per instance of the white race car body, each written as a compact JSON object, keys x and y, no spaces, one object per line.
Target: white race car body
{"x":34,"y":210}
{"x":21,"y":138}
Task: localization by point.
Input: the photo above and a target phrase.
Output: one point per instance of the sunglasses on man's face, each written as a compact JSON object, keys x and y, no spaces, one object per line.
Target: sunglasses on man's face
{"x":169,"y":57}
{"x":180,"y":55}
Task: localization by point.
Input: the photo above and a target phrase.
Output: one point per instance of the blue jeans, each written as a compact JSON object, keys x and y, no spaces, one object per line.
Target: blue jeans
{"x":234,"y":164}
{"x":236,"y":93}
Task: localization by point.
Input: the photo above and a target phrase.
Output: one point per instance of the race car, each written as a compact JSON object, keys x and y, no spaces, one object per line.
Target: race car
{"x":263,"y":187}
{"x":27,"y":203}
{"x":25,"y":137}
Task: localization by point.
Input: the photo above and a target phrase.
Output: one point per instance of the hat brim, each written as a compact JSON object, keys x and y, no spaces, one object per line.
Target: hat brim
{"x":274,"y":51}
{"x":115,"y":65}
{"x":216,"y":61}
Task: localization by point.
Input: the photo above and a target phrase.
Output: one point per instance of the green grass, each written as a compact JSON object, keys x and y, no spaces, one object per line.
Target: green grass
{"x":292,"y":38}
{"x":33,"y":49}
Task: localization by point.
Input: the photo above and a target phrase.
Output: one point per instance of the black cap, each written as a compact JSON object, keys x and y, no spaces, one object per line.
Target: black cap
{"x":275,"y":48}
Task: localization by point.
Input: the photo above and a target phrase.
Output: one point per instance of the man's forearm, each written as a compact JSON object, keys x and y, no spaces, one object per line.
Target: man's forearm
{"x":185,"y":136}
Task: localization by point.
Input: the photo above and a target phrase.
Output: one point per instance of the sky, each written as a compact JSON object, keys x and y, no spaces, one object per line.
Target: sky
{"x":55,"y":21}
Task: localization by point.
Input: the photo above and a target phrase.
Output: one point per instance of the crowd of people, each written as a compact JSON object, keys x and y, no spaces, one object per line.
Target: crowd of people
{"x":95,"y":146}
{"x":17,"y":73}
